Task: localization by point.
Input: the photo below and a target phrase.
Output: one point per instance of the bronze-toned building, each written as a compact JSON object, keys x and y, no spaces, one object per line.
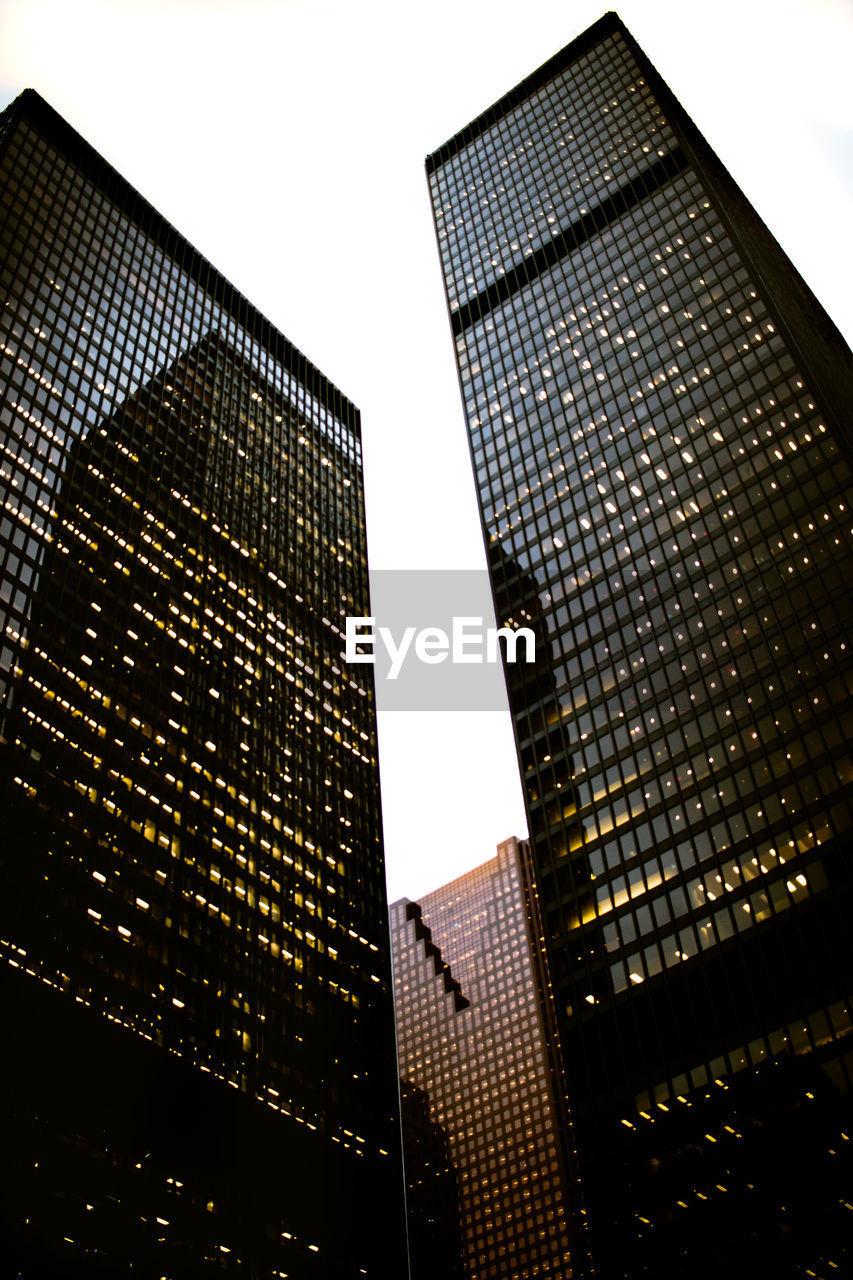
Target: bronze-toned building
{"x":475,"y":1034}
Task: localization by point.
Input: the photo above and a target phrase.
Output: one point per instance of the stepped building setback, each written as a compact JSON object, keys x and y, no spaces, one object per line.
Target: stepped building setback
{"x":475,"y":1034}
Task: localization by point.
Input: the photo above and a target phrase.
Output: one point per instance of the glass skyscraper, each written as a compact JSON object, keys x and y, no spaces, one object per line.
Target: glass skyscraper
{"x":659,"y":421}
{"x":199,"y":1067}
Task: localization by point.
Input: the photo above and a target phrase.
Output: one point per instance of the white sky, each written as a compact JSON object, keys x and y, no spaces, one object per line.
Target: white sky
{"x":286,"y":138}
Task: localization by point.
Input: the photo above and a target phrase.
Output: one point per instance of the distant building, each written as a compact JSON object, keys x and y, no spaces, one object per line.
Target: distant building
{"x":198,"y":1070}
{"x":474,"y":1033}
{"x":659,"y":418}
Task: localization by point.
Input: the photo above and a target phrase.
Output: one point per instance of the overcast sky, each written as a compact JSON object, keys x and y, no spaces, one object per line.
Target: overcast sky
{"x":285,"y":139}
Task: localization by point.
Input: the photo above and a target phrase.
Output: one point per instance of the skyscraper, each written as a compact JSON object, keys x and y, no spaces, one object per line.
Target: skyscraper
{"x":476,"y":1036}
{"x":659,"y":420}
{"x":199,"y":1073}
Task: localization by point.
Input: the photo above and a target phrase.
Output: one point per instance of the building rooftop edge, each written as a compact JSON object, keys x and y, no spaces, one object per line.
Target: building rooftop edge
{"x":30,"y":105}
{"x":607,"y":24}
{"x":404,"y":901}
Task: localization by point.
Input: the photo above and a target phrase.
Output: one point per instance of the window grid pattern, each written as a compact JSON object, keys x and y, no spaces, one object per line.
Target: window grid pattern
{"x":476,"y":1044}
{"x":630,"y":412}
{"x":662,"y":493}
{"x":188,"y":762}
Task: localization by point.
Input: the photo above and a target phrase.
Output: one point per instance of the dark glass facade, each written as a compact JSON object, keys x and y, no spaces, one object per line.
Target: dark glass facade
{"x":193,"y":930}
{"x":659,"y":420}
{"x":432,"y":1192}
{"x":475,"y":1033}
